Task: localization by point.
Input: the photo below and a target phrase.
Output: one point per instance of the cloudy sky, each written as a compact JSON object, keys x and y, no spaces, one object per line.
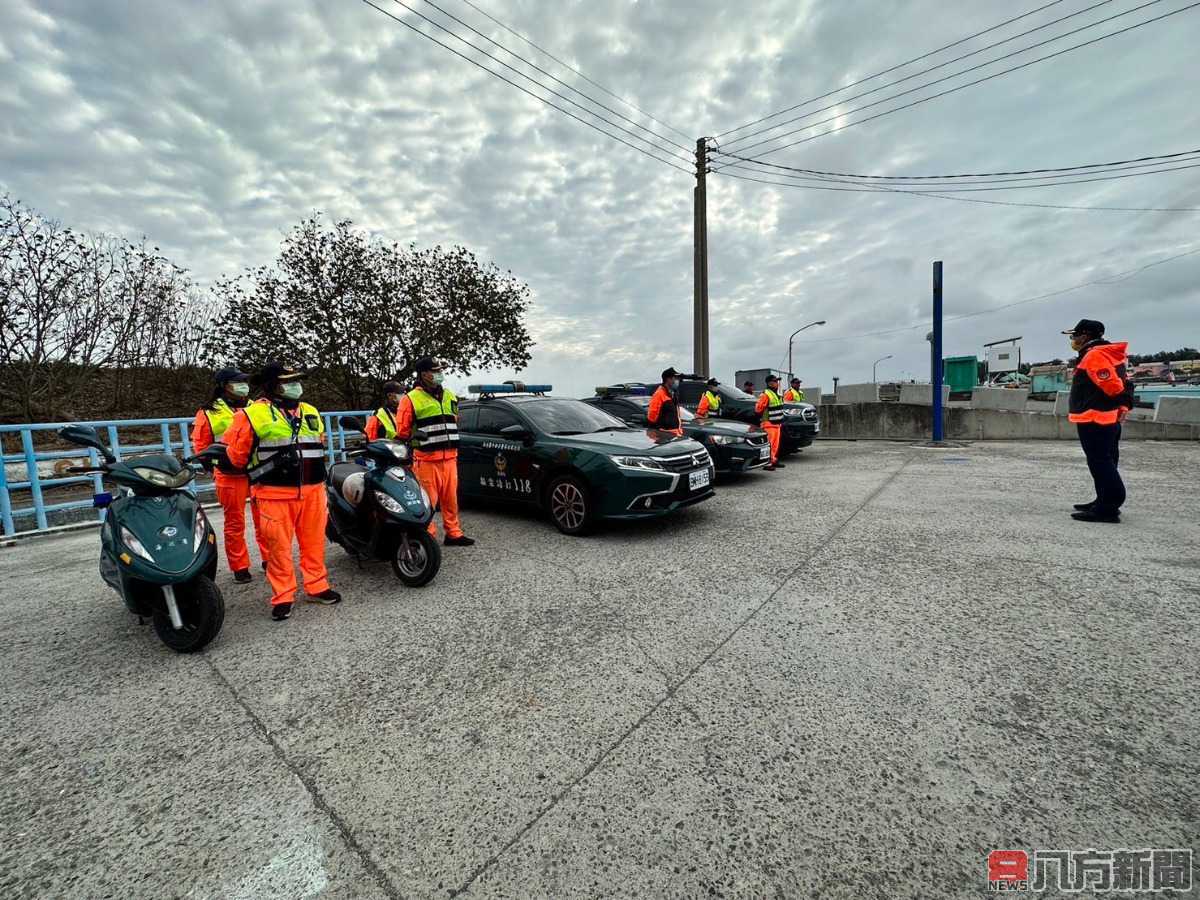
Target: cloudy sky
{"x":213,"y":126}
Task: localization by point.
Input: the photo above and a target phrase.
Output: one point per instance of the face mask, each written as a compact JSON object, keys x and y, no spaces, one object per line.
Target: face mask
{"x":238,"y":388}
{"x":438,"y":378}
{"x":291,"y":390}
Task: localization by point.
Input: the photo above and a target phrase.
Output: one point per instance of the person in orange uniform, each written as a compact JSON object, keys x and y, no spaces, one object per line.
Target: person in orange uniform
{"x":279,"y":441}
{"x":664,"y":408}
{"x":383,"y":423}
{"x":793,"y":394}
{"x":770,"y":407}
{"x":1101,"y":396}
{"x":433,"y":410}
{"x":710,"y":401}
{"x":230,"y":394}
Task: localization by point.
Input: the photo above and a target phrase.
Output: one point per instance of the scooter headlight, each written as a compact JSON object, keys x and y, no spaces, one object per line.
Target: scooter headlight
{"x":162,"y":479}
{"x":388,"y":502}
{"x":129,"y":539}
{"x":199,"y":531}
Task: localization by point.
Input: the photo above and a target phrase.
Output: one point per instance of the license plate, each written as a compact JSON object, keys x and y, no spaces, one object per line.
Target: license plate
{"x":698,"y":479}
{"x":764,"y":453}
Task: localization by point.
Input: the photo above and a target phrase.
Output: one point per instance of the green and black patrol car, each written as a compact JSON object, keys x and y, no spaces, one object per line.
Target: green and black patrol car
{"x":734,"y":446}
{"x":801,"y":423}
{"x":575,"y":461}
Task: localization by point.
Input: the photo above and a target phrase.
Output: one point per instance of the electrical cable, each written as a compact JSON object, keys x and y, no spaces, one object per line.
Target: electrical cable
{"x":565,"y":65}
{"x":566,"y":112}
{"x":892,"y":69}
{"x":958,"y":87}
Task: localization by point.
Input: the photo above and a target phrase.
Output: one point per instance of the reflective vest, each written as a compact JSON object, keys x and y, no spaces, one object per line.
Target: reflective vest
{"x":437,"y":418}
{"x":714,"y":403}
{"x":1101,"y":391}
{"x":793,"y":395}
{"x":220,"y":416}
{"x":388,"y":421}
{"x":288,"y":451}
{"x":774,"y":411}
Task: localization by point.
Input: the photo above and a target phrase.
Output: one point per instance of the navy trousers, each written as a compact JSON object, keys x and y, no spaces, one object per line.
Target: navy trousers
{"x":1101,"y":446}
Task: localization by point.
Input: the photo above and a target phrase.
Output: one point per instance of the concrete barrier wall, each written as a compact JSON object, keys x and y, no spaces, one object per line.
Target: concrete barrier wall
{"x":911,"y":422}
{"x":922,"y":394}
{"x":1181,"y":410}
{"x":857,"y":393}
{"x":999,"y":398}
{"x":1062,"y":404}
{"x":812,"y":395}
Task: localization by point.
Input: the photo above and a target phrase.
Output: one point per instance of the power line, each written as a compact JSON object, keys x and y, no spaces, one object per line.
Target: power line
{"x":887,"y":190}
{"x":942,"y":65}
{"x":803,"y":181}
{"x":1120,"y":162}
{"x":565,"y":65}
{"x":565,"y":112}
{"x":569,"y":87}
{"x":892,"y":69}
{"x":961,"y":86}
{"x":1113,"y":279}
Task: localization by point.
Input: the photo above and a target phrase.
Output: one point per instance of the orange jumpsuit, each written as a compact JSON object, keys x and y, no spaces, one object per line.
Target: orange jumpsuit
{"x":437,"y":470}
{"x":232,"y":493}
{"x":656,"y":414}
{"x":773,"y":431}
{"x":286,"y":514}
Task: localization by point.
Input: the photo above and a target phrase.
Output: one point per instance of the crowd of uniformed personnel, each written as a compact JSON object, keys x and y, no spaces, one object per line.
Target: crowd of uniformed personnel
{"x":274,"y":455}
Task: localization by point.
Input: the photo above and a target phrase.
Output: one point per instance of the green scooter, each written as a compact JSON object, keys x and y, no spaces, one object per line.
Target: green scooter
{"x":157,"y":549}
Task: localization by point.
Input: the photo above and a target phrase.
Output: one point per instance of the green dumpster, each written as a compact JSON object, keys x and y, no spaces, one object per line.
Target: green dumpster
{"x":961,"y":373}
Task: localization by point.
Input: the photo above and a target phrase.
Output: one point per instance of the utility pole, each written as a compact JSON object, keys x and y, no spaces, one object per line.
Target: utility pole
{"x":936,"y":374}
{"x":700,"y":266}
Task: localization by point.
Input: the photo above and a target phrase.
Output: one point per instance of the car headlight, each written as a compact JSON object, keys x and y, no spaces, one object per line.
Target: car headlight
{"x":388,"y":502}
{"x":637,"y":462}
{"x":200,"y":530}
{"x":129,"y":539}
{"x":162,"y":479}
{"x":793,"y":412}
{"x":721,"y":439}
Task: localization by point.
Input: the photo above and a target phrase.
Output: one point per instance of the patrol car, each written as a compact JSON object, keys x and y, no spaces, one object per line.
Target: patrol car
{"x":801,"y":424}
{"x":573,"y":460}
{"x":734,"y":446}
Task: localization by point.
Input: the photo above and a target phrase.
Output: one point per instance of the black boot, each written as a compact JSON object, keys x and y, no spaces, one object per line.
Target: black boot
{"x":325,"y":598}
{"x":1084,"y":507}
{"x":242,"y":576}
{"x":281,"y":611}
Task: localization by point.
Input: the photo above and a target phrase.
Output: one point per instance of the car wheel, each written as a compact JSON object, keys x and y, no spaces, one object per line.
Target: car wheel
{"x":570,"y":505}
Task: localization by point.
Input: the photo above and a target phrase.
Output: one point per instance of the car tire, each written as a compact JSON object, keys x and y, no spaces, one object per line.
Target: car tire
{"x":570,"y":505}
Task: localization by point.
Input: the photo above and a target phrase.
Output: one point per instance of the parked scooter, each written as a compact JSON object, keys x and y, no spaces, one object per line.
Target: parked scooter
{"x":157,"y":549}
{"x":380,"y":511}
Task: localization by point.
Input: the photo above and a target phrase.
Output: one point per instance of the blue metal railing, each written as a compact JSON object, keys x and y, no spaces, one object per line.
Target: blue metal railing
{"x":37,"y":486}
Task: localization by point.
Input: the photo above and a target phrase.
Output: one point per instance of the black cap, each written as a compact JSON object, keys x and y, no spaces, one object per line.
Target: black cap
{"x":393,"y":387}
{"x":712,"y":382}
{"x":426,"y":364}
{"x":669,"y":372}
{"x":1087,"y":326}
{"x":771,"y":377}
{"x":275,"y":372}
{"x":228,"y":374}
{"x":795,"y":380}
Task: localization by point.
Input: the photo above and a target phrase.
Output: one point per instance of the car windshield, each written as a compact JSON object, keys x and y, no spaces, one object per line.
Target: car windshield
{"x":685,"y":415}
{"x":569,"y":417}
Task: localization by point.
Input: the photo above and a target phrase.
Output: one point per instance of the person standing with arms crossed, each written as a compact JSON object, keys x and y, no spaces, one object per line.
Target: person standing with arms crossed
{"x":770,"y":407}
{"x":433,"y":410}
{"x":231,"y":393}
{"x":1101,"y":396}
{"x":280,"y":442}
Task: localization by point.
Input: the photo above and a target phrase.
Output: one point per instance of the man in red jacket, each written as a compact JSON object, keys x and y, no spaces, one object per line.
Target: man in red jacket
{"x":1101,"y":396}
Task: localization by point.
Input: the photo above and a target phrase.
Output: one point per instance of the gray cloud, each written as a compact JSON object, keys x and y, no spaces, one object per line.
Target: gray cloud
{"x":212,"y":127}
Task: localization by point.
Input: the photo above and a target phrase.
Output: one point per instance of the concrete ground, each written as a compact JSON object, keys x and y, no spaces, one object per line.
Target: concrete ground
{"x":851,"y":678}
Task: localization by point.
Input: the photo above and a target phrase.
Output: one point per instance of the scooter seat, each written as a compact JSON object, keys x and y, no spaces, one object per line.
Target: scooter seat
{"x":348,"y":479}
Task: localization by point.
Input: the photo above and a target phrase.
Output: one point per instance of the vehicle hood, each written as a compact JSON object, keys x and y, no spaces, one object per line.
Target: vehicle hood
{"x":648,"y":441}
{"x":718,"y":426}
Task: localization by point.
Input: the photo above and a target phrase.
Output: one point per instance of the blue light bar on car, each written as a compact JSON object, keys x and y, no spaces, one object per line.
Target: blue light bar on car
{"x":510,"y":388}
{"x":629,"y":389}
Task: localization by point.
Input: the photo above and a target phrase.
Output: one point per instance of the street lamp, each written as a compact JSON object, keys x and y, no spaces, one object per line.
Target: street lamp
{"x":874,"y":364}
{"x":793,"y":335}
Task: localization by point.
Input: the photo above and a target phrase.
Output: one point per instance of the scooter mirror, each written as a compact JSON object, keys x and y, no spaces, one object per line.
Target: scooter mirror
{"x":86,"y":436}
{"x":351,"y":423}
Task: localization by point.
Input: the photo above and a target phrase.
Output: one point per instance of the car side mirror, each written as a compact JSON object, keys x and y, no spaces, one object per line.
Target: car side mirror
{"x":516,"y":432}
{"x":351,"y":423}
{"x":86,"y":436}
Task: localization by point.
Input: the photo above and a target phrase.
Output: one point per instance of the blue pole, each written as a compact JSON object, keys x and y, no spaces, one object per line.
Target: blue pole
{"x":937,"y":351}
{"x":35,"y":483}
{"x":5,"y":503}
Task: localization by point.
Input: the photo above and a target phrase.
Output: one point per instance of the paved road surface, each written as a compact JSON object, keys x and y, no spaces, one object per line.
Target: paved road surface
{"x":848,"y":679}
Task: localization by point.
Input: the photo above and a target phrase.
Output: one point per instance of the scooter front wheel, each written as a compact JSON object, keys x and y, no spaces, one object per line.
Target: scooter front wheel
{"x":201,"y":610}
{"x":417,"y":559}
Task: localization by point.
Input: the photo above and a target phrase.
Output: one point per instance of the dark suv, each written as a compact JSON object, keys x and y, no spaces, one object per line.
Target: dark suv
{"x":575,"y":461}
{"x":800,"y":421}
{"x":733,"y":446}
